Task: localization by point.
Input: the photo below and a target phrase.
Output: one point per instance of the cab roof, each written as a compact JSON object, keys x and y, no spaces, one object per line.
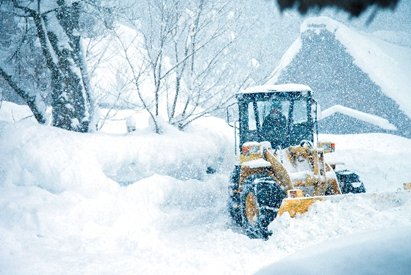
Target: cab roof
{"x":276,"y":88}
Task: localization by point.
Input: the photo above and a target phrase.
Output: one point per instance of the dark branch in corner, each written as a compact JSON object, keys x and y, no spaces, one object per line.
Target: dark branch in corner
{"x":353,"y":7}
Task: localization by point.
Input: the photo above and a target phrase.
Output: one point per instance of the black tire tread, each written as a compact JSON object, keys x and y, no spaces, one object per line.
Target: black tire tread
{"x":345,"y":180}
{"x":234,"y":198}
{"x":269,"y":197}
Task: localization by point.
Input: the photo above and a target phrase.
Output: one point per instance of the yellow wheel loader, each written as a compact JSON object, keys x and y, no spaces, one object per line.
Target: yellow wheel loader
{"x":281,"y":165}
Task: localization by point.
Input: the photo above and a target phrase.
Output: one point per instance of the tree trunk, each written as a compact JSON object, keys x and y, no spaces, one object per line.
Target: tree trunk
{"x":69,"y":99}
{"x":74,"y":68}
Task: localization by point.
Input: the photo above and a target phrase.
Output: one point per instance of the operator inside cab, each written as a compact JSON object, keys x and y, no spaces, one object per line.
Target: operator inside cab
{"x":275,"y":126}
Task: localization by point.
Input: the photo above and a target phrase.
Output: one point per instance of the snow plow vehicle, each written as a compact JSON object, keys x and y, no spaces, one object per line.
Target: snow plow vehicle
{"x":281,"y":166}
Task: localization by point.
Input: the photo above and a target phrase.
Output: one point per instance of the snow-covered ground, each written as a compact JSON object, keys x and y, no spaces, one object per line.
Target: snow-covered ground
{"x":141,"y":203}
{"x":369,"y":253}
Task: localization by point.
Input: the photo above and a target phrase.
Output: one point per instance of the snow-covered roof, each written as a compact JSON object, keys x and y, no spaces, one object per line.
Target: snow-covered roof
{"x":375,"y":120}
{"x":277,"y":88}
{"x":381,"y":65}
{"x":285,"y":60}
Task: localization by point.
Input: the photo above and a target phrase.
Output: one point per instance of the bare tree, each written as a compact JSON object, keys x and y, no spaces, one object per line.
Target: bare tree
{"x":187,"y":56}
{"x":55,"y":29}
{"x":118,"y":72}
{"x":20,"y":62}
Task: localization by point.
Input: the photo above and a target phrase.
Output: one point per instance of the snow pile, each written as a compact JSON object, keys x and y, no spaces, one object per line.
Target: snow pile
{"x":335,"y":226}
{"x":381,"y":160}
{"x":57,"y":195}
{"x":12,"y":112}
{"x":376,"y":120}
{"x":376,"y":252}
{"x":141,"y":203}
{"x":87,"y":159}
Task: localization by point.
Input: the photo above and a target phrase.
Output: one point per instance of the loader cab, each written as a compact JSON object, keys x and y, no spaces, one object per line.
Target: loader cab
{"x":284,"y":115}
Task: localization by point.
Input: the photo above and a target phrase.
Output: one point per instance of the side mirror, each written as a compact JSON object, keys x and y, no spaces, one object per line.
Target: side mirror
{"x":319,"y":112}
{"x":232,"y":114}
{"x":316,"y":116}
{"x":315,"y":111}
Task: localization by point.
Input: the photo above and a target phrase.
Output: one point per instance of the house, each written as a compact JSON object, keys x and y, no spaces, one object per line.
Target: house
{"x":346,"y":69}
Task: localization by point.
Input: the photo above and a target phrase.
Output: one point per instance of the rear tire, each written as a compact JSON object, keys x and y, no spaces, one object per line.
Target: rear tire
{"x":349,"y":182}
{"x":260,"y":201}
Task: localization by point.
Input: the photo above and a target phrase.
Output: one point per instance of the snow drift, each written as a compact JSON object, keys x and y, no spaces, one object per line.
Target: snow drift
{"x":141,"y":203}
{"x":376,"y":252}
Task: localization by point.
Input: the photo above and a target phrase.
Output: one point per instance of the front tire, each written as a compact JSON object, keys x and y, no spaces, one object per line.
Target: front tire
{"x":234,"y":196}
{"x":260,"y":201}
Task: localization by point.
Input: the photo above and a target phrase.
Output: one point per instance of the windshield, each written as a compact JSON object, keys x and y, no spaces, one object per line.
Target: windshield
{"x":283,"y":120}
{"x":262,"y":109}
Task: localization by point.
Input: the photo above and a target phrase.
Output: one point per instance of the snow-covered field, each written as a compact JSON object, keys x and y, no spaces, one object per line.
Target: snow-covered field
{"x":141,"y":203}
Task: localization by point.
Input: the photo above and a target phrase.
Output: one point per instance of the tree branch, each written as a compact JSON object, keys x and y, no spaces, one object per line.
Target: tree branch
{"x":30,"y":100}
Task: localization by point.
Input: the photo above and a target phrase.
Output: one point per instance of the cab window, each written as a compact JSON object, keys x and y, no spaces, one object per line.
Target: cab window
{"x":300,"y":114}
{"x":252,"y":124}
{"x":264,"y":108}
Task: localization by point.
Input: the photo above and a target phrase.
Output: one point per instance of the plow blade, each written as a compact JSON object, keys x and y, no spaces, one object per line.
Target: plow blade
{"x":302,"y":204}
{"x":297,"y":205}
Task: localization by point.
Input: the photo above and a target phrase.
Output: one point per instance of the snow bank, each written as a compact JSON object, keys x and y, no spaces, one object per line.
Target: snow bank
{"x":13,"y":112}
{"x":34,"y":155}
{"x":87,"y":194}
{"x":381,"y":160}
{"x":57,"y":160}
{"x":141,"y":203}
{"x":375,"y":252}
